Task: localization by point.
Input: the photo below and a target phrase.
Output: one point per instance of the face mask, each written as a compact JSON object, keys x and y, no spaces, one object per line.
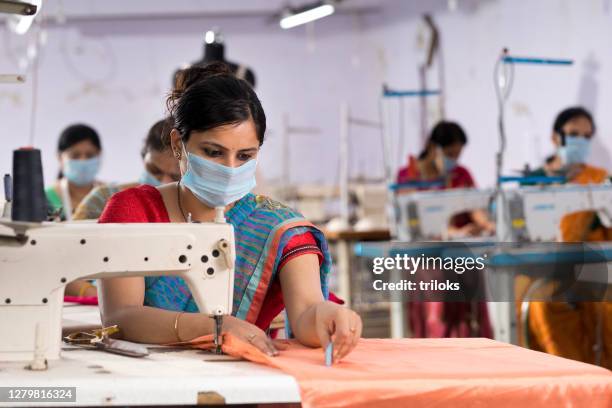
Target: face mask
{"x":148,"y":178}
{"x":576,"y":150}
{"x":81,"y":172}
{"x":217,"y":185}
{"x":448,"y":163}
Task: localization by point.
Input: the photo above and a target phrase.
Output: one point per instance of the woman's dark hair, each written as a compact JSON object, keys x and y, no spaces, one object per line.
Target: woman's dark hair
{"x":157,"y":136}
{"x":569,"y":114}
{"x":74,"y":134}
{"x":444,"y":134}
{"x":211,"y":96}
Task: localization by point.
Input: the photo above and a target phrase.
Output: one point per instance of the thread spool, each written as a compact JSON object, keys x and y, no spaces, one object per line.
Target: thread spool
{"x":29,"y":201}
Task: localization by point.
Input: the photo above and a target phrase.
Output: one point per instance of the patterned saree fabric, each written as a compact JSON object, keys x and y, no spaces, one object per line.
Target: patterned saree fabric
{"x":459,"y":372}
{"x":263,"y":229}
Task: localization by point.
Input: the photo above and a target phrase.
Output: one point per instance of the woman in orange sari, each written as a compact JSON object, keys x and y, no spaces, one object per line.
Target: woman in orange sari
{"x":580,"y":331}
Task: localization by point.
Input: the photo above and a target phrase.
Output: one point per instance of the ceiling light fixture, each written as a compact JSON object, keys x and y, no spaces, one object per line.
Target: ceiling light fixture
{"x":17,"y":7}
{"x":22,"y":14}
{"x":306,"y":14}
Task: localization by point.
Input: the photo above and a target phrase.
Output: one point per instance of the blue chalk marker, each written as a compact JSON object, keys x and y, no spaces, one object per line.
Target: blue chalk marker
{"x":329,"y":353}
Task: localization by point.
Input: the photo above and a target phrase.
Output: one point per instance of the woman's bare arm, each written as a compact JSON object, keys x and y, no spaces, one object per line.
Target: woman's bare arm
{"x":315,"y":321}
{"x":121,"y":303}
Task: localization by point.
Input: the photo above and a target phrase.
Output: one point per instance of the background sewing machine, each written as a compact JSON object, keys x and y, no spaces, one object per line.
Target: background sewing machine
{"x":38,"y":259}
{"x":534,"y":213}
{"x":425,"y":216}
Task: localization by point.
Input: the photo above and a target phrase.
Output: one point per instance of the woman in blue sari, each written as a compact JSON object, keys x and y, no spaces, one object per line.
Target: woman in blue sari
{"x":282,"y":260}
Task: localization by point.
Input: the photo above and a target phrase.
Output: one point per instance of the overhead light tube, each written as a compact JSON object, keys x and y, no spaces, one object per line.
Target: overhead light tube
{"x":307,"y":15}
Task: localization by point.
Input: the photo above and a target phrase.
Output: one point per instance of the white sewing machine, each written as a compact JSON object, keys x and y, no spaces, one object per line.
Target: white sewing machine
{"x":534,"y":213}
{"x":426,"y":215}
{"x":38,"y":259}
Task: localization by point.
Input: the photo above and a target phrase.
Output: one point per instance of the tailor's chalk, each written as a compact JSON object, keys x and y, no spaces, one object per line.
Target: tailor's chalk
{"x":329,"y":352}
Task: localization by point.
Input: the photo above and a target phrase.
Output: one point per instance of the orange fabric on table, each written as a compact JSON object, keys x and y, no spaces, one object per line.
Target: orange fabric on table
{"x":459,"y":372}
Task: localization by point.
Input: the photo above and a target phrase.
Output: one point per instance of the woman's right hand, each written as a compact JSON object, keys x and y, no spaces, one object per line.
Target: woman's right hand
{"x":249,"y":333}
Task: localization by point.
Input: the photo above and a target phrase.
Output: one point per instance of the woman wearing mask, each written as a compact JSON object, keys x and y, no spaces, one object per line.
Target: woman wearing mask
{"x":79,"y":151}
{"x":438,"y":164}
{"x":282,"y":261}
{"x":580,"y":331}
{"x":573,"y":131}
{"x":160,"y":167}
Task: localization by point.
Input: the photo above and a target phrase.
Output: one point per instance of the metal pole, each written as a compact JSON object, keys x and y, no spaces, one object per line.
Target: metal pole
{"x":344,"y":176}
{"x":285,"y":160}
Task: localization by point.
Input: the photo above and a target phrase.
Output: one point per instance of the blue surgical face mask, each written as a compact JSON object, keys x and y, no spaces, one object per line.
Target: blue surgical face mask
{"x":576,"y":150}
{"x":448,"y":163}
{"x":81,"y":172}
{"x":148,"y":178}
{"x":215,"y":184}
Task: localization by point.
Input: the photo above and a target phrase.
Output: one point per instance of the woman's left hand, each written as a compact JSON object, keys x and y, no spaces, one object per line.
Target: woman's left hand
{"x":340,"y":325}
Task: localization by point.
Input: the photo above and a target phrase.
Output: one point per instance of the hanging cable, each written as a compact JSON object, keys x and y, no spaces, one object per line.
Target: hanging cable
{"x":503,"y":78}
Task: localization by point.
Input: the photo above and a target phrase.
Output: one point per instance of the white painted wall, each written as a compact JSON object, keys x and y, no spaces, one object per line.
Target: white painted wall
{"x":472,"y":40}
{"x":114,"y":74}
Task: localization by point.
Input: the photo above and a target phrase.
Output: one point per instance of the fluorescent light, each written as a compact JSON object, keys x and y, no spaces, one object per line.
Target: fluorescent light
{"x":307,"y":16}
{"x":20,"y":24}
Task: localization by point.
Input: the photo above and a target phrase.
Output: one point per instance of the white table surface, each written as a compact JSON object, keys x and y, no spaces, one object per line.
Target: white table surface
{"x":165,"y":377}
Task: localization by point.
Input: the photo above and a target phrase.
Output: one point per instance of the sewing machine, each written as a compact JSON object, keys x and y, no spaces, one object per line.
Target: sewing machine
{"x":533,"y":214}
{"x":426,"y":215}
{"x":38,"y":259}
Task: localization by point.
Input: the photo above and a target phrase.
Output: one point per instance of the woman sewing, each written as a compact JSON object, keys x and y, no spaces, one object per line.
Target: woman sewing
{"x":219,"y":127}
{"x":437,"y":168}
{"x":581,"y":330}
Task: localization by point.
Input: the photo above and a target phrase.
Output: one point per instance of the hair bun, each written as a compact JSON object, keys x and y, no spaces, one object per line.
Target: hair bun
{"x":189,"y":76}
{"x":192,"y":75}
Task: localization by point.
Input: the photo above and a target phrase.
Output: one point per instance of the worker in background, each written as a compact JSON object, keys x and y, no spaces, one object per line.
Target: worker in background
{"x":580,"y":331}
{"x":438,"y":164}
{"x":219,"y":127}
{"x":78,"y":151}
{"x":572,"y":133}
{"x":160,"y":167}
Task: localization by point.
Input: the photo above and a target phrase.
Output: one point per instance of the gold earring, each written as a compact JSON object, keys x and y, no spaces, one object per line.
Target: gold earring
{"x":177,"y":155}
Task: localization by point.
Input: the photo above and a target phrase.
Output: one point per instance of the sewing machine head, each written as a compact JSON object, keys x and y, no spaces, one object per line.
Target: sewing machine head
{"x":426,"y":215}
{"x":38,"y":259}
{"x":534,"y":213}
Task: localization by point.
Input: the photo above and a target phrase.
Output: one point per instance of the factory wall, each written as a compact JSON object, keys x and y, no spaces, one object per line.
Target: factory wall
{"x":114,"y":75}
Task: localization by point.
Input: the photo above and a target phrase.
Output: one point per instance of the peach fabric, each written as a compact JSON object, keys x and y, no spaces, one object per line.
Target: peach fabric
{"x":458,"y":372}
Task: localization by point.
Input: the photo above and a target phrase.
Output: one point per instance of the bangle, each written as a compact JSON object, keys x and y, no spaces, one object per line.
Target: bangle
{"x":86,"y":285}
{"x":176,"y":322}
